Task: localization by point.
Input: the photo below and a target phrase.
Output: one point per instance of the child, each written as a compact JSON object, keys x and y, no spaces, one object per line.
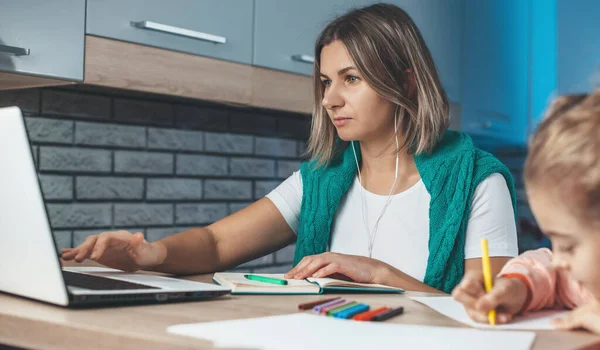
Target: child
{"x":562,"y":179}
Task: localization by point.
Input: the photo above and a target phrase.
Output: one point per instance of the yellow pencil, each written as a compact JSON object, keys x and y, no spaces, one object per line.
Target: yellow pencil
{"x":487,"y":276}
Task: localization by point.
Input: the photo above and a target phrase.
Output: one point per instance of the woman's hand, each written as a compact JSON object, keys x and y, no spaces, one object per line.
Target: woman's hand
{"x":119,"y":249}
{"x":508,"y":297}
{"x":357,"y":268}
{"x":586,"y":316}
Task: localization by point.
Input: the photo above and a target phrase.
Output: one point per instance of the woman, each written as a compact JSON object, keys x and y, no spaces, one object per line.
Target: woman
{"x":389,"y":195}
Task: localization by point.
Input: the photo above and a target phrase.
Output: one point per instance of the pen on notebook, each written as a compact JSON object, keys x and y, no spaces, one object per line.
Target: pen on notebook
{"x":266,"y":279}
{"x":386,"y":315}
{"x":487,"y":276}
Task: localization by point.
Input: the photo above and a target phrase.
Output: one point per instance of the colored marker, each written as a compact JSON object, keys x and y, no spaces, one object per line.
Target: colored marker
{"x":355,"y":310}
{"x":325,"y":310}
{"x":317,"y":309}
{"x":367,"y":316}
{"x":312,"y":304}
{"x":386,"y":315}
{"x":341,"y":308}
{"x":266,"y":279}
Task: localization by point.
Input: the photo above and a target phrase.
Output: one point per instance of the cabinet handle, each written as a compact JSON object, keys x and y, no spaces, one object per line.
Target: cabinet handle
{"x":179,"y":31}
{"x":17,"y":51}
{"x":303,"y":58}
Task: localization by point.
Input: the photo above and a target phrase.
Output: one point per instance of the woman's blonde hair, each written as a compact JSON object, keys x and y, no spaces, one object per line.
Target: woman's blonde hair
{"x":390,"y":53}
{"x":564,"y":154}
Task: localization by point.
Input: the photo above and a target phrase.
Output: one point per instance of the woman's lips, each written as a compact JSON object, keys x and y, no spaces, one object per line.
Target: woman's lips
{"x":341,"y":121}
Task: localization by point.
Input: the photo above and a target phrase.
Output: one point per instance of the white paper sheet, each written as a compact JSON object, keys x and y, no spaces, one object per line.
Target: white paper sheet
{"x":453,"y":309}
{"x":303,"y":331}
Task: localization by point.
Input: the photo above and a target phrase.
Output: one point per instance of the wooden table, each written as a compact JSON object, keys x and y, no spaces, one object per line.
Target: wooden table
{"x":30,"y":324}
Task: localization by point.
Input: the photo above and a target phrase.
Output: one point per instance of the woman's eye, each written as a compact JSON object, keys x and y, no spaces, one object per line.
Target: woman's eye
{"x":352,"y":78}
{"x":326,"y":82}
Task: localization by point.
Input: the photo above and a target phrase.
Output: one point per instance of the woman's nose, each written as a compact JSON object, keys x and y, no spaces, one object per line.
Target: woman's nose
{"x":332,"y":98}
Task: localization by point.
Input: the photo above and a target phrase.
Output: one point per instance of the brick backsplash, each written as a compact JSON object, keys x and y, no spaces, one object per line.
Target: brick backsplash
{"x":109,"y":159}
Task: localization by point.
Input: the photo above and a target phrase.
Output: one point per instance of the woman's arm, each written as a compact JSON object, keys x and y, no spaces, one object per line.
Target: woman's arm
{"x":252,"y":232}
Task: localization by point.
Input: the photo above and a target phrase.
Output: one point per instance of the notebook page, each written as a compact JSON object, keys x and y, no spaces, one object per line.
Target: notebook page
{"x":326,"y":282}
{"x":238,"y":278}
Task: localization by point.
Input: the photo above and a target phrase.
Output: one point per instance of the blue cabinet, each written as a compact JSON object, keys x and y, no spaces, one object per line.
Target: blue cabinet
{"x":578,"y":46}
{"x":221,"y":29}
{"x":495,"y":69}
{"x":42,"y":38}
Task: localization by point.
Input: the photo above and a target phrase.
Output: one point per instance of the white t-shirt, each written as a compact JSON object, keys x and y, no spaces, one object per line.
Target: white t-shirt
{"x":403,"y":233}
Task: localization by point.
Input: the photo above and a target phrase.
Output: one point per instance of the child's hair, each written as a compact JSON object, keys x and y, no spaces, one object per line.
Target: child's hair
{"x":565,"y":154}
{"x":390,"y":53}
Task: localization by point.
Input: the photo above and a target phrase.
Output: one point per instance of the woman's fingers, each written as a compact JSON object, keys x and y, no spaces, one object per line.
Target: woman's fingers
{"x":69,"y":253}
{"x":310,"y":268}
{"x":327,"y":270}
{"x":86,"y":248}
{"x":298,"y":267}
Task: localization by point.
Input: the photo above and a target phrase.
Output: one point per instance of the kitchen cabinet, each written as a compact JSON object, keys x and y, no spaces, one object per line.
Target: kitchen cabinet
{"x":42,"y":38}
{"x":285,"y":33}
{"x":220,"y":29}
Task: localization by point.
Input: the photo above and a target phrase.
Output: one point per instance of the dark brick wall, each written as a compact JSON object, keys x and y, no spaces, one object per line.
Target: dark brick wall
{"x":117,"y":160}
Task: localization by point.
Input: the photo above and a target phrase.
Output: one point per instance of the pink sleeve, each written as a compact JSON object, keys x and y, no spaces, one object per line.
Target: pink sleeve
{"x":548,"y":287}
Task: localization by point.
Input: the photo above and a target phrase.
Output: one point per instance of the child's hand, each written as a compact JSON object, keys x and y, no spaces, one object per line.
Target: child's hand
{"x":508,"y":297}
{"x":586,"y":316}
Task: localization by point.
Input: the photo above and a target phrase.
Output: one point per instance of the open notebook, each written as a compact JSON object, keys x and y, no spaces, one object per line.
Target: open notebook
{"x":239,"y":284}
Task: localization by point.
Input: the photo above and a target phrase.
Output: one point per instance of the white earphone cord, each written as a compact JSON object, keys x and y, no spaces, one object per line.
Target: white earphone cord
{"x":371,"y":236}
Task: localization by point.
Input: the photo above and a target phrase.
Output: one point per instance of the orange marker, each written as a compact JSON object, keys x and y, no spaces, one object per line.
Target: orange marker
{"x":367,"y":316}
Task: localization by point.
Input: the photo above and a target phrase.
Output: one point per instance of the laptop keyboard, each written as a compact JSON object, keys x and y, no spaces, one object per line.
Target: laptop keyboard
{"x":99,"y":283}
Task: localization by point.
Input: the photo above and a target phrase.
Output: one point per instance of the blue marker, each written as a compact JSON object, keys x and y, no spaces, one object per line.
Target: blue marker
{"x":349,"y":313}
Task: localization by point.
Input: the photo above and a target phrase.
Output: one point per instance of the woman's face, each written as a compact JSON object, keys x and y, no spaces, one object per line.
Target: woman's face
{"x":575,"y":243}
{"x":355,"y":109}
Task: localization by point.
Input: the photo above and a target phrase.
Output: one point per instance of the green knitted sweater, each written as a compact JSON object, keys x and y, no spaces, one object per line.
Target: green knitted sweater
{"x":451,"y":172}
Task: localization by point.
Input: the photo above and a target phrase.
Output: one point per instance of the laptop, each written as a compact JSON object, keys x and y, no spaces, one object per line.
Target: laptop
{"x":29,"y":263}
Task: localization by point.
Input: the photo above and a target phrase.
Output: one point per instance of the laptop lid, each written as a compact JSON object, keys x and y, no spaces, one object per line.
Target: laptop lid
{"x":29,"y":264}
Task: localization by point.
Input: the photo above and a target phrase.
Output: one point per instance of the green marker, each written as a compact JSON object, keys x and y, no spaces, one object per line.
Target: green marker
{"x":266,"y":279}
{"x":341,"y":308}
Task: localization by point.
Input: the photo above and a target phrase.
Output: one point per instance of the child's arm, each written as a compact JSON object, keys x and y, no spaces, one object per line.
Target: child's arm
{"x":548,"y":288}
